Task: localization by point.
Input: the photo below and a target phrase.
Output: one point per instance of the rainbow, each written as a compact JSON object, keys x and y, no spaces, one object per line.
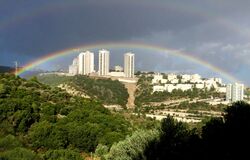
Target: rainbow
{"x":178,"y":53}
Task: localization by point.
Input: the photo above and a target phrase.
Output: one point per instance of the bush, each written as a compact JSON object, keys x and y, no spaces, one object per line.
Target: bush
{"x":18,"y":153}
{"x":62,"y":154}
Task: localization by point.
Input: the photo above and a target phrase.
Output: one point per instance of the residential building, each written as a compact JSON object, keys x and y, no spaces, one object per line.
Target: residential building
{"x":235,"y":92}
{"x":199,"y":86}
{"x":159,"y":88}
{"x":172,"y":76}
{"x":209,"y":83}
{"x":118,"y":68}
{"x":103,"y":62}
{"x":185,"y":78}
{"x":195,"y":78}
{"x":129,"y":64}
{"x":174,"y":81}
{"x":158,"y":78}
{"x":73,"y":68}
{"x":86,"y":63}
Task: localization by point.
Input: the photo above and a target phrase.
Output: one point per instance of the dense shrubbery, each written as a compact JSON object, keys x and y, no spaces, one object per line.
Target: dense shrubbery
{"x":219,"y":138}
{"x":105,"y":90}
{"x":40,"y":118}
{"x":40,"y":122}
{"x":133,"y":147}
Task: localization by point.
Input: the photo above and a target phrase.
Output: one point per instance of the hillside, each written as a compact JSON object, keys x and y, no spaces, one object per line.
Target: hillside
{"x":6,"y":69}
{"x":41,"y":122}
{"x":106,"y":91}
{"x":46,"y":123}
{"x":144,"y":95}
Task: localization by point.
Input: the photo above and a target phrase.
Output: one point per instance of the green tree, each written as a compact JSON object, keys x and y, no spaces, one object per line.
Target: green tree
{"x":19,"y":153}
{"x":62,"y":154}
{"x":9,"y":142}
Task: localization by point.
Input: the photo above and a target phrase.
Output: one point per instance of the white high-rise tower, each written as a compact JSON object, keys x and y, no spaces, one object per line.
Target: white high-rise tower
{"x":103,"y":62}
{"x":73,"y":68}
{"x":86,"y":63}
{"x":129,"y":64}
{"x":235,"y":92}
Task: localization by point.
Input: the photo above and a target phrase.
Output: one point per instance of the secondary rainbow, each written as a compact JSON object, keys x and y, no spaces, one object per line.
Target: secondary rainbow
{"x":136,"y":45}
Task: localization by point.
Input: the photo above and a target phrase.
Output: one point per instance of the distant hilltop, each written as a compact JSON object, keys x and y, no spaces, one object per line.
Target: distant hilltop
{"x":6,"y":69}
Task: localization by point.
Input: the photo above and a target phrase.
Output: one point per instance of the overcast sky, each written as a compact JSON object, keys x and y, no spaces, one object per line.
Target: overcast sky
{"x":216,"y":31}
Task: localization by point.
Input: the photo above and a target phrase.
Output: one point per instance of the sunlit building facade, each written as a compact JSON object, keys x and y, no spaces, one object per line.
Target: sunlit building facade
{"x":235,"y":92}
{"x":129,"y":64}
{"x":103,"y":62}
{"x":86,"y":63}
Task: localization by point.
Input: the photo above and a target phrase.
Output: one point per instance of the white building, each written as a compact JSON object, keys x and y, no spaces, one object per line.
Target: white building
{"x":217,"y":80}
{"x":170,"y":87}
{"x":235,"y":92}
{"x":199,"y":86}
{"x":73,"y":68}
{"x":158,"y":88}
{"x":229,"y":92}
{"x":183,"y":87}
{"x":185,"y":78}
{"x":86,"y":63}
{"x":172,"y":77}
{"x":118,"y":68}
{"x":103,"y":62}
{"x":209,"y":83}
{"x":158,"y":78}
{"x":196,"y":78}
{"x":129,"y":64}
{"x":174,"y":81}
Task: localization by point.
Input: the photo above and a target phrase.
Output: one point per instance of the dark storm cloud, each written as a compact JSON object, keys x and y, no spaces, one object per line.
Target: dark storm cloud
{"x":216,"y":31}
{"x":66,"y":25}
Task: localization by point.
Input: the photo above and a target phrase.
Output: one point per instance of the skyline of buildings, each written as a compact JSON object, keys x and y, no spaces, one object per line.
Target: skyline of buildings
{"x":84,"y":64}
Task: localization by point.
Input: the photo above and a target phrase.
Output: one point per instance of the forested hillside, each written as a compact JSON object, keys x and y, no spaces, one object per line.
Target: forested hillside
{"x":221,"y":138}
{"x":42,"y":122}
{"x":106,"y":91}
{"x":46,"y":123}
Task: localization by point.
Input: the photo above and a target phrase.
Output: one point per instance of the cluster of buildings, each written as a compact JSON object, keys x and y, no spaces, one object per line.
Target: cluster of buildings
{"x":185,"y":82}
{"x":234,"y":92}
{"x":83,"y":64}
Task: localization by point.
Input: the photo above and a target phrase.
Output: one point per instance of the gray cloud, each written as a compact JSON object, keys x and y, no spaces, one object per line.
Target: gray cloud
{"x":215,"y":31}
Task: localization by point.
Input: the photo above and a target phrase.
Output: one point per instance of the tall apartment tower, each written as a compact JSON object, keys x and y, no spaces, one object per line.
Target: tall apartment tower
{"x":103,"y":62}
{"x":229,"y":92}
{"x":73,"y":68}
{"x":86,"y":63}
{"x":129,"y":64}
{"x":235,"y":92}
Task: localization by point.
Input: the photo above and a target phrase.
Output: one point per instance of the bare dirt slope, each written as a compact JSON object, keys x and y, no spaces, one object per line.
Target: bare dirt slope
{"x":131,"y":87}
